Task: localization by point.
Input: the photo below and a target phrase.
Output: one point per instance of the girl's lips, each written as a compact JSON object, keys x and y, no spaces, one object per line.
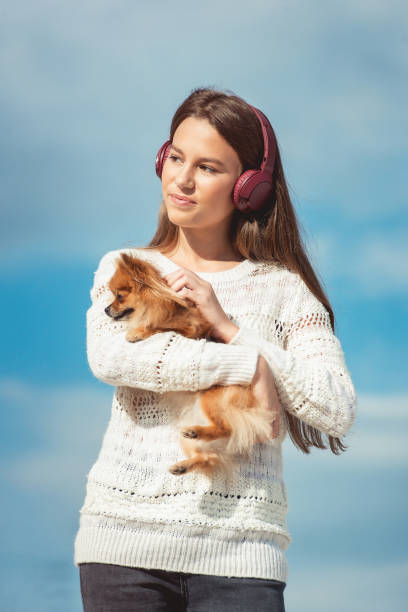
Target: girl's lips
{"x":180,"y":202}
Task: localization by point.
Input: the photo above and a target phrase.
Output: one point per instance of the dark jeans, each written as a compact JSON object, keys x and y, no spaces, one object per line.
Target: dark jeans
{"x":114,"y":588}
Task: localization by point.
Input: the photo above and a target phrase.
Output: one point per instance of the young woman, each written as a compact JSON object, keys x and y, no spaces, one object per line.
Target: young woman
{"x":228,"y":239}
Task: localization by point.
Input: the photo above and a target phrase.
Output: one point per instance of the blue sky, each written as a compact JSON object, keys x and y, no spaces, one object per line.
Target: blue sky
{"x":88,"y":91}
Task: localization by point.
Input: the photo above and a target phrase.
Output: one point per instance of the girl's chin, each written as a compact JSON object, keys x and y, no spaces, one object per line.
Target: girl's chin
{"x":179,"y":213}
{"x":180,"y":222}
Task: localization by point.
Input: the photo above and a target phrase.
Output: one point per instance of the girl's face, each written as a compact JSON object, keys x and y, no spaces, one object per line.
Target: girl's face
{"x":202,"y":168}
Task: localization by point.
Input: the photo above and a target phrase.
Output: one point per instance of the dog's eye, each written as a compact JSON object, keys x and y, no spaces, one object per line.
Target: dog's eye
{"x":122,"y":293}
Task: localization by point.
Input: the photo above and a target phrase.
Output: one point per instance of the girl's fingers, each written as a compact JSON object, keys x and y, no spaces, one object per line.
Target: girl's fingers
{"x":275,"y":427}
{"x":180,"y":283}
{"x":172,"y":276}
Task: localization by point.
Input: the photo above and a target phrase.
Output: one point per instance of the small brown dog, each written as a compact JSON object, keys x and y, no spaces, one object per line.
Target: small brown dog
{"x":232,"y":420}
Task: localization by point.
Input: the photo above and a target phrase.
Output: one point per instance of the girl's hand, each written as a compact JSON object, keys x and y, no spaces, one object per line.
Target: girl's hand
{"x":264,"y":390}
{"x":187,"y":284}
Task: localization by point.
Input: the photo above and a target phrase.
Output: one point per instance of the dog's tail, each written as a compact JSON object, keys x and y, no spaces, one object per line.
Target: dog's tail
{"x":249,"y":420}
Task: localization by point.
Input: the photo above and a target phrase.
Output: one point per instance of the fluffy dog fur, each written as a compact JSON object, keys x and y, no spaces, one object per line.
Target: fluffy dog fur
{"x":228,"y":421}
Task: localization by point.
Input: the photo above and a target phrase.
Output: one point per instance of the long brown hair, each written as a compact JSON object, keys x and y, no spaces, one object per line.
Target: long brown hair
{"x":269,"y":235}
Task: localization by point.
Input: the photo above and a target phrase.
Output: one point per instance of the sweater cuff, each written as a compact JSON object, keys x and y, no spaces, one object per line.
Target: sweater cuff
{"x":230,"y":365}
{"x":279,"y":360}
{"x":245,"y":337}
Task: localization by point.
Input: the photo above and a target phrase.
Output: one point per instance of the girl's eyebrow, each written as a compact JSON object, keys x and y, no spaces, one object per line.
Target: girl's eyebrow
{"x":205,"y":159}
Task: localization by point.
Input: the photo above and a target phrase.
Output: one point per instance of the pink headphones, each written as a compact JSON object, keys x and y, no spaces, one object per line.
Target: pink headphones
{"x":253,"y":187}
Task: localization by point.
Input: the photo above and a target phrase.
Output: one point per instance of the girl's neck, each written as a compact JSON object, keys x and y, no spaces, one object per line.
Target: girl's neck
{"x":200,"y":250}
{"x":203,"y":253}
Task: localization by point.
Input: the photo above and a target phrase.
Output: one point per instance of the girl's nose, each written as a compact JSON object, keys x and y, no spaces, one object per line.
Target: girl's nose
{"x":185,"y":178}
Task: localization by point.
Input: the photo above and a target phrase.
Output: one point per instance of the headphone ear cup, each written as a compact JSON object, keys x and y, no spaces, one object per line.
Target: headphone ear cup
{"x":240,"y":183}
{"x":251,"y":190}
{"x":162,"y":155}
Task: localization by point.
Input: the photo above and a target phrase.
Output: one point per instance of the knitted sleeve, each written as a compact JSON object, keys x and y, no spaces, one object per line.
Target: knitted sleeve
{"x":167,"y":361}
{"x":310,"y":372}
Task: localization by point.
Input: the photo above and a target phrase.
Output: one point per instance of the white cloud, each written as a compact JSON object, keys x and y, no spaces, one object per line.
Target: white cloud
{"x":353,"y":587}
{"x":381,"y":263}
{"x":70,"y":421}
{"x":374,"y":262}
{"x":387,"y":408}
{"x":378,"y":437}
{"x":350,"y":104}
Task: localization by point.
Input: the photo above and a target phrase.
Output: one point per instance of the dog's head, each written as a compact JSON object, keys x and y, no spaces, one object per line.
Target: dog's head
{"x":136,"y":285}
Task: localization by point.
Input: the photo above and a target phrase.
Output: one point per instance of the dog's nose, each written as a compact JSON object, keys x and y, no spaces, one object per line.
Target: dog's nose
{"x":107,"y":310}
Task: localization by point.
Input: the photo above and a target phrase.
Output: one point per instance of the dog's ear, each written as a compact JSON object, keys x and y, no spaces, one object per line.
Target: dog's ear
{"x":132,"y":264}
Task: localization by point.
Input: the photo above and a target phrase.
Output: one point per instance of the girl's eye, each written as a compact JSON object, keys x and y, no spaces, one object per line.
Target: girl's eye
{"x":207,"y":169}
{"x":211,"y":170}
{"x":173,"y":157}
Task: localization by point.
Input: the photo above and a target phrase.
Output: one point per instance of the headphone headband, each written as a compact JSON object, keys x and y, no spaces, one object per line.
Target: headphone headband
{"x":269,"y":139}
{"x":253,"y":188}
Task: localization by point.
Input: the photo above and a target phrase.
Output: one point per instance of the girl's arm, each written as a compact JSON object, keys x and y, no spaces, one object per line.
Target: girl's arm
{"x":167,"y":361}
{"x":310,"y":373}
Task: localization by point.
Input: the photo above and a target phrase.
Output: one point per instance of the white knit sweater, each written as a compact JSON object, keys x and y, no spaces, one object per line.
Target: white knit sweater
{"x":136,"y":513}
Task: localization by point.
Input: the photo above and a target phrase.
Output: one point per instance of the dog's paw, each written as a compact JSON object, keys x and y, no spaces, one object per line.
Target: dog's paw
{"x":177,"y":469}
{"x":189,"y":433}
{"x":132,"y":336}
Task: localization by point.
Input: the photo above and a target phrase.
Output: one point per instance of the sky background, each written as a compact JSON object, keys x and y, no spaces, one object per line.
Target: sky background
{"x":86,"y":98}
